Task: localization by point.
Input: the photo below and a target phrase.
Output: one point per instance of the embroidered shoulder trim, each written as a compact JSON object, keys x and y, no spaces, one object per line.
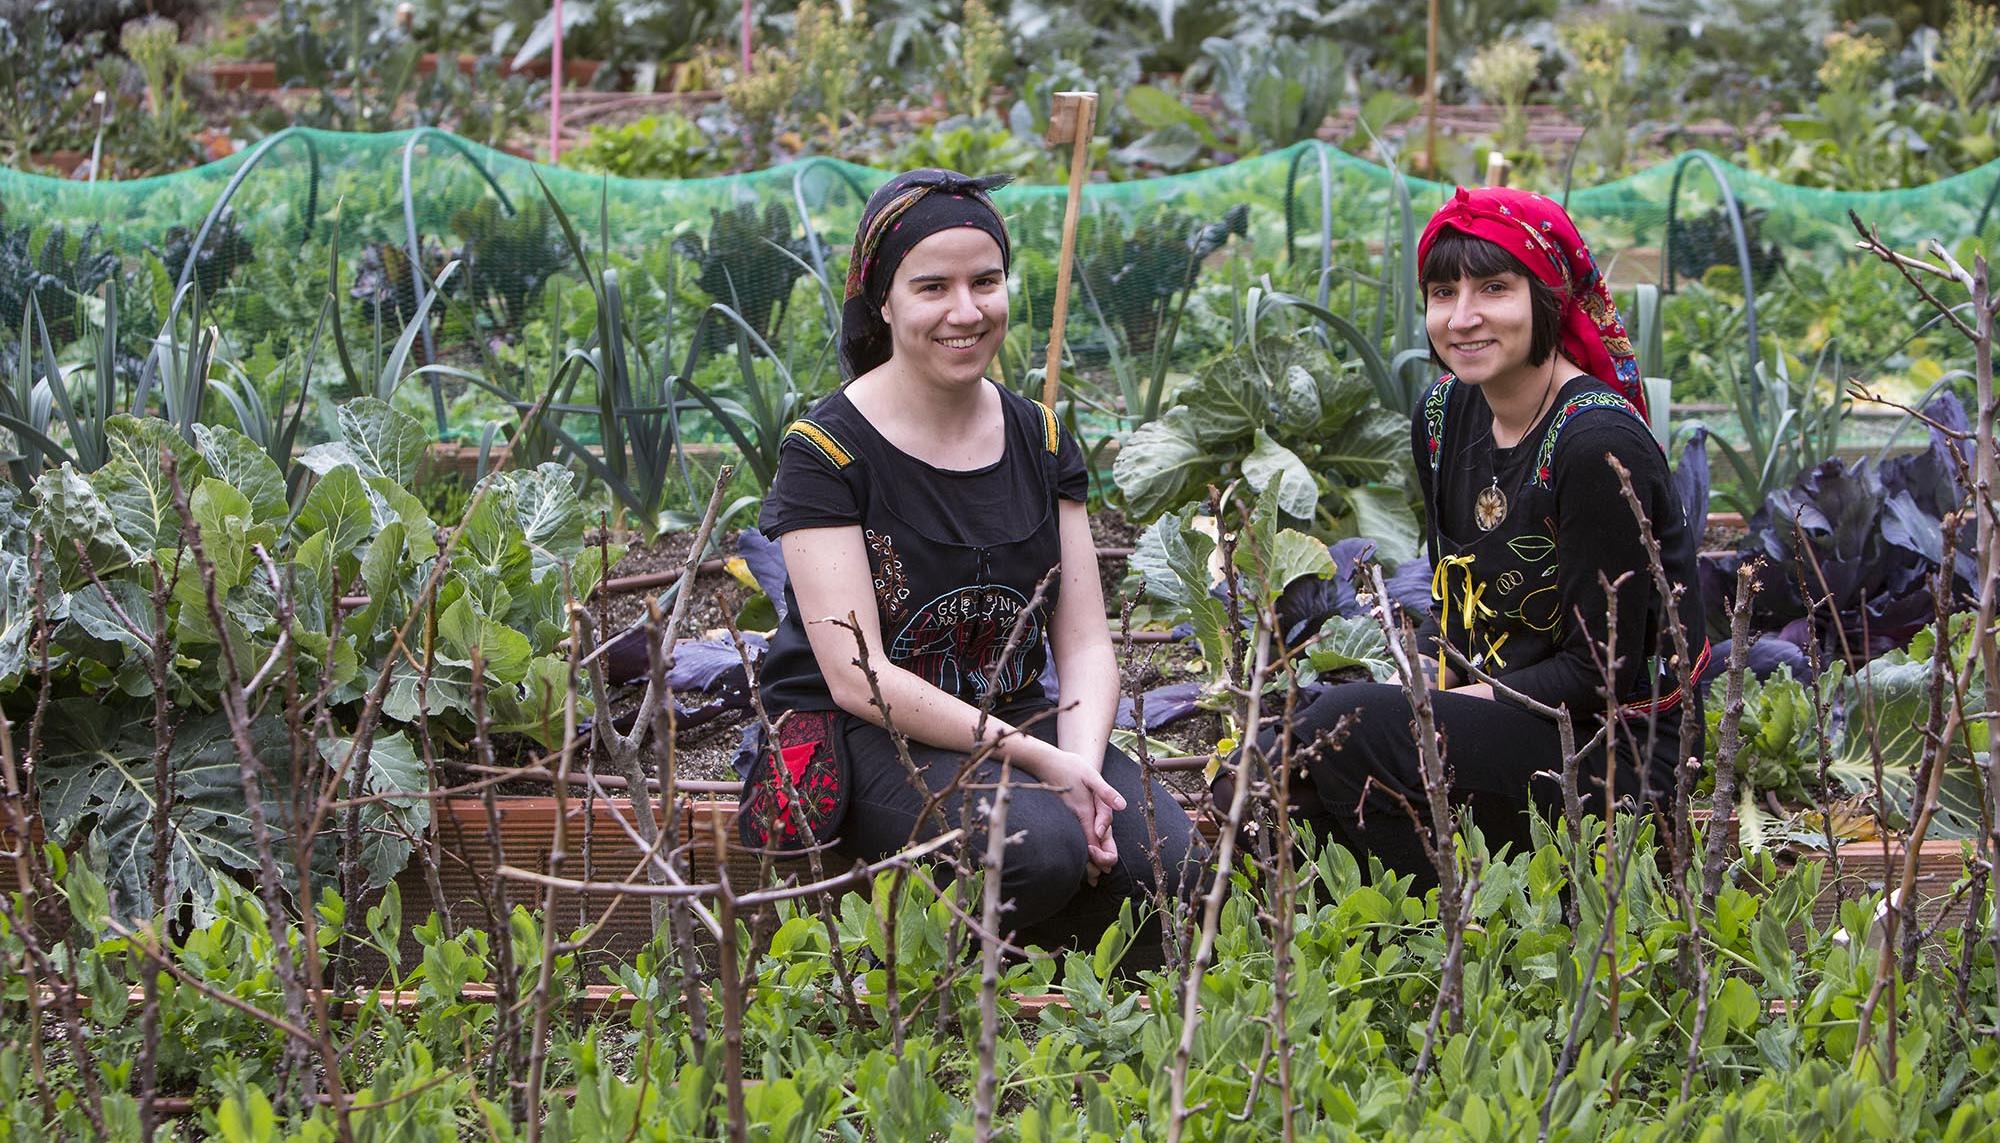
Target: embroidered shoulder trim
{"x":822,"y":440}
{"x":1051,"y":435}
{"x":1582,"y":403}
{"x":1434,"y":405}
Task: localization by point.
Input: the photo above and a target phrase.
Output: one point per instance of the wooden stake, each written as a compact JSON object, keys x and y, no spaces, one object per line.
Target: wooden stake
{"x":1072,"y":120}
{"x":1431,"y":94}
{"x":555,"y":87}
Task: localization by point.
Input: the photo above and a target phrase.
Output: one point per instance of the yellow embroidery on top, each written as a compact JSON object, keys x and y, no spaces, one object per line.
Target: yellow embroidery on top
{"x":1051,"y":437}
{"x":1470,"y":604}
{"x":822,"y":440}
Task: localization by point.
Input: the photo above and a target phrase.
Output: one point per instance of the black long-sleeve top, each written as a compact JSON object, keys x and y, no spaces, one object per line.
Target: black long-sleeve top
{"x":1540,"y":605}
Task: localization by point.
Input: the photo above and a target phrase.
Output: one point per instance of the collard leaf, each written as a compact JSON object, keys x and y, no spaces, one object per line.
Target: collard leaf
{"x":546,"y":508}
{"x":338,"y":505}
{"x":1887,"y":704}
{"x":382,"y":568}
{"x":392,"y":767}
{"x":17,"y":604}
{"x":387,"y":441}
{"x":1159,"y":463}
{"x":1381,"y":514}
{"x":1171,"y":560}
{"x":1209,"y":617}
{"x":1272,"y":463}
{"x":140,"y":503}
{"x":1170,"y":148}
{"x":1298,"y":397}
{"x":504,"y":651}
{"x":535,"y":707}
{"x":1228,"y":401}
{"x":117,"y":611}
{"x":239,"y":460}
{"x":98,"y":773}
{"x":135,"y":483}
{"x":1371,"y":445}
{"x":224,"y":516}
{"x":391,"y":502}
{"x":588,"y":570}
{"x":69,"y":513}
{"x":493,"y":551}
{"x":1353,"y":641}
{"x":313,"y":579}
{"x":1295,"y":556}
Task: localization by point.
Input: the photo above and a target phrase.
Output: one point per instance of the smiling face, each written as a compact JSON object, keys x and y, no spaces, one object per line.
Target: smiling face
{"x":947,"y":307}
{"x":1482,"y":327}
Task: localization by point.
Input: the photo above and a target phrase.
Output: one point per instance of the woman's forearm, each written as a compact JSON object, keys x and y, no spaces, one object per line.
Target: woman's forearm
{"x":929,"y":716}
{"x":1089,"y":678}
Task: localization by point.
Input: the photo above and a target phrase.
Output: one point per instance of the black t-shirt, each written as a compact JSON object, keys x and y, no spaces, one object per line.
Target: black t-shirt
{"x":1531,"y":577}
{"x":954,"y":554}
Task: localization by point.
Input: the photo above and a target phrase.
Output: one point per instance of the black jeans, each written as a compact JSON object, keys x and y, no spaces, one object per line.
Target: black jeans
{"x":1049,"y":900}
{"x":1499,"y":760}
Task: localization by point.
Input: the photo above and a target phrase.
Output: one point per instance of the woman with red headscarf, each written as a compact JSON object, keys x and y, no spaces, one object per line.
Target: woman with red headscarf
{"x":1526,"y":522}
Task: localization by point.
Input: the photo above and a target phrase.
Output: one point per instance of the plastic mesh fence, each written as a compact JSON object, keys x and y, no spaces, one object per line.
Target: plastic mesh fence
{"x":1316,"y":219}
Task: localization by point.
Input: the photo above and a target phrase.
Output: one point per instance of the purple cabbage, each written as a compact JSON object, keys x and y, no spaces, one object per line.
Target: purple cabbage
{"x":1765,"y":656}
{"x":1164,"y":705}
{"x":766,"y":561}
{"x":699,"y":664}
{"x":1875,"y":536}
{"x":1690,"y":478}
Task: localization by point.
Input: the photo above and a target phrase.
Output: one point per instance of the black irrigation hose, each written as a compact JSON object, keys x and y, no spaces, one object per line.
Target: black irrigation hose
{"x":1735,"y":212}
{"x":236,"y":181}
{"x":414,"y":248}
{"x":813,"y":245}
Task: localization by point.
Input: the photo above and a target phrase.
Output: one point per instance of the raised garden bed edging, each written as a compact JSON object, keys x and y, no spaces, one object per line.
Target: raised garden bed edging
{"x":527,"y":832}
{"x":262,"y":75}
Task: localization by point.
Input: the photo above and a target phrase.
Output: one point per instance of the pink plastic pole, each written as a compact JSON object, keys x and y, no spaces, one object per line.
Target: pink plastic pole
{"x":555,"y":89}
{"x":746,"y":37}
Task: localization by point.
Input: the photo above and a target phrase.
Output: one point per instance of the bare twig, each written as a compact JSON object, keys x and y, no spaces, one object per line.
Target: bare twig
{"x":989,"y":962}
{"x":1211,"y":916}
{"x":543,"y":994}
{"x":1729,"y":742}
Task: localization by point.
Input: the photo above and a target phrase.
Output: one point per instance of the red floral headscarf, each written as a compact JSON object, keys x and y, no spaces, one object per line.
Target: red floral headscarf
{"x":1538,"y":232}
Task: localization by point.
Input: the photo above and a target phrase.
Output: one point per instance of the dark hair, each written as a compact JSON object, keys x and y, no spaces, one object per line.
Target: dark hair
{"x":1456,"y":254}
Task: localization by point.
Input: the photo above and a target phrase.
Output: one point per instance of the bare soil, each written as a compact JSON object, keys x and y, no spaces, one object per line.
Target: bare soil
{"x":1720,"y":537}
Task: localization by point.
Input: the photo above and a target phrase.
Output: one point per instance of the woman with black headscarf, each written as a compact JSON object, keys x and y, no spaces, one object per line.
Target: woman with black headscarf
{"x":946,"y":515}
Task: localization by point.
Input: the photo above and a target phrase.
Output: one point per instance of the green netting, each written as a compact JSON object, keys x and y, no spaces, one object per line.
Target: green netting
{"x":1313,"y":218}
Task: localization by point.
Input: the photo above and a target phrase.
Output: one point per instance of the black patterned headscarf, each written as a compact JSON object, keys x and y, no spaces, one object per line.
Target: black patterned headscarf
{"x":906,"y":210}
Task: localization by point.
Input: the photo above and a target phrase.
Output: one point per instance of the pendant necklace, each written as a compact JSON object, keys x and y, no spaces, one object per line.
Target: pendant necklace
{"x":1489,"y":507}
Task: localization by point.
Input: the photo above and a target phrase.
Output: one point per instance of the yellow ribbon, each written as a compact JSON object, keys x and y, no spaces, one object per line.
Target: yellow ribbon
{"x":1471,"y":605}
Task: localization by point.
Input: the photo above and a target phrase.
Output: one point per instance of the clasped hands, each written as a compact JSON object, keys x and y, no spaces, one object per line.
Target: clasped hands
{"x":1092,"y":799}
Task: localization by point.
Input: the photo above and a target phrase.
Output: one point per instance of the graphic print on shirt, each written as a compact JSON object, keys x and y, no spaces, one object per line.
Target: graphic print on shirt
{"x":956,"y":639}
{"x":892,"y":590}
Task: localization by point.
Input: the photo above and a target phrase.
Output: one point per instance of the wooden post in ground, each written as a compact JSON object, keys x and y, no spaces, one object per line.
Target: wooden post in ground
{"x":1431,"y":94}
{"x":555,"y":87}
{"x":1072,"y":120}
